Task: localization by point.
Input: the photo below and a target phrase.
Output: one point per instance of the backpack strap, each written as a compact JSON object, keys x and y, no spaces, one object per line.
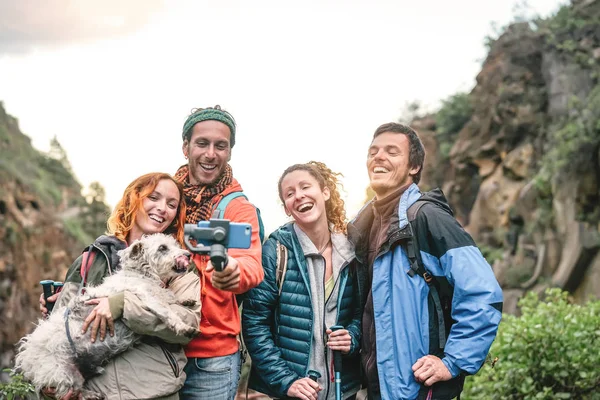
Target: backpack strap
{"x":282,"y":253}
{"x":417,"y":268}
{"x":219,"y":211}
{"x":86,"y":263}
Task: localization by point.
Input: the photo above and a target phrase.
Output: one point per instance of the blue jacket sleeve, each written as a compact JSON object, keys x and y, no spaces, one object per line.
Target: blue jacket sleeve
{"x":477,"y":300}
{"x":258,"y":320}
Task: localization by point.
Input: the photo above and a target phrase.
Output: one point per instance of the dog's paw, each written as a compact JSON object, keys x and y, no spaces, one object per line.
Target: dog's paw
{"x":189,"y":331}
{"x":193,"y":333}
{"x":188,"y":302}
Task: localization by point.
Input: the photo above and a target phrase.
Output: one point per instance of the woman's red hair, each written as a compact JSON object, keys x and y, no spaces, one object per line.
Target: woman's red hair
{"x":123,"y":216}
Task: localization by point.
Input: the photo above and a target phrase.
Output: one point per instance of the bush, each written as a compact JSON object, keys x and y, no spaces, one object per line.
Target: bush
{"x":16,"y":388}
{"x":455,"y":112}
{"x":550,"y":352}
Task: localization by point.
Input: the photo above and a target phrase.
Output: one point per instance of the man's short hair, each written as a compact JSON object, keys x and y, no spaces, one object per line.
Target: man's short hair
{"x":416,"y":156}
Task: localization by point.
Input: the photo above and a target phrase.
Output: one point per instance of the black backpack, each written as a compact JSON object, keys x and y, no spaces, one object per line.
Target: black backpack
{"x":440,"y":293}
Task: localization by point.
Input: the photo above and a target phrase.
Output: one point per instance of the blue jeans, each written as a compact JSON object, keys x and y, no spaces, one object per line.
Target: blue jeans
{"x":211,"y":378}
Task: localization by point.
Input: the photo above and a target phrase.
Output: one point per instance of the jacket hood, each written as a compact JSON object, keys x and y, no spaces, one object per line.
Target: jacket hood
{"x":284,"y":234}
{"x":358,"y":228}
{"x":437,"y":197}
{"x":110,"y":246}
{"x":414,"y":194}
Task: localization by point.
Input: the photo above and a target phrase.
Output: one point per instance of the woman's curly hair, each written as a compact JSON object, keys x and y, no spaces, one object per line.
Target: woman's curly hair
{"x":334,"y":207}
{"x":123,"y":216}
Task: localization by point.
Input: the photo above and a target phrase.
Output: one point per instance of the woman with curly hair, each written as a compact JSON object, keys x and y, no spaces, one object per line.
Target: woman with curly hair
{"x":311,"y":284}
{"x":153,"y":368}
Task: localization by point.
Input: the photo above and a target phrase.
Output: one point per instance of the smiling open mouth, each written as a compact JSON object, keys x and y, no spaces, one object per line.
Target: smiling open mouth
{"x":305,"y":207}
{"x":156,"y":218}
{"x":208,"y":167}
{"x":380,"y":170}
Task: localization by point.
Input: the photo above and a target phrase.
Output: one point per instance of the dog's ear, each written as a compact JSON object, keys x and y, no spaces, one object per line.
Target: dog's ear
{"x":137,"y":250}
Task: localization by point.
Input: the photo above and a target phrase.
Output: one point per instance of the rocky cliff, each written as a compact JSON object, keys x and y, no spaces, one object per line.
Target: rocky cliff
{"x":523,"y":172}
{"x":36,"y":189}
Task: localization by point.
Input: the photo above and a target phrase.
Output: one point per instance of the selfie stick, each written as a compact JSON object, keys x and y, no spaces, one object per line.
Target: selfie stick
{"x":216,"y":233}
{"x":337,"y":367}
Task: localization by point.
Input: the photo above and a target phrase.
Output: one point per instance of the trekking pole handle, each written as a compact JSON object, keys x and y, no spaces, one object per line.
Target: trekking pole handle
{"x":47,"y":287}
{"x":337,"y":355}
{"x":314,"y":375}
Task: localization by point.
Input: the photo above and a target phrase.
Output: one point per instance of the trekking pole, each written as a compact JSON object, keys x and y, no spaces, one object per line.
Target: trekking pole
{"x":337,"y":367}
{"x":314,"y":375}
{"x":47,"y":286}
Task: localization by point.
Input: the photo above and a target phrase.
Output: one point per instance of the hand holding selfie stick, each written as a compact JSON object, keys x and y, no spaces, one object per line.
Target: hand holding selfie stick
{"x":337,"y":367}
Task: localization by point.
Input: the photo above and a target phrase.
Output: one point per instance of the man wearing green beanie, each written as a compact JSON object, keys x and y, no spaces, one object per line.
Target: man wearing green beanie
{"x":213,"y":367}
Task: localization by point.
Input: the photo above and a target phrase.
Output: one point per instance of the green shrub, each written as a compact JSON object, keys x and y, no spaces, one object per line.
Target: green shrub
{"x":549,"y":352}
{"x":454,"y":113}
{"x":16,"y":388}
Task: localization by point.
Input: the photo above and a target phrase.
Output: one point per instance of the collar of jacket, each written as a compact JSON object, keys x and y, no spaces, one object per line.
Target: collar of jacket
{"x":359,"y":227}
{"x":109,"y":246}
{"x":339,"y":242}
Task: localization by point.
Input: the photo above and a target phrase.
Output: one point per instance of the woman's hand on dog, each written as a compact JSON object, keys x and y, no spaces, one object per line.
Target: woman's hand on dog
{"x":229,"y":278}
{"x":100,"y":318}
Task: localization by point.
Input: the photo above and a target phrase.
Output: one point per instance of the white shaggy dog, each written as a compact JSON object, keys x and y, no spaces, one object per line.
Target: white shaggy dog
{"x":49,"y":358}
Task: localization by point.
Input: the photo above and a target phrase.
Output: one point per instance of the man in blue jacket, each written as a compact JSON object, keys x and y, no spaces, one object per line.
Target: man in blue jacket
{"x":430,"y":314}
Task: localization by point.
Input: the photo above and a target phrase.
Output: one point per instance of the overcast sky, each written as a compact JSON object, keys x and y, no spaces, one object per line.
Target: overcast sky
{"x":115,"y":80}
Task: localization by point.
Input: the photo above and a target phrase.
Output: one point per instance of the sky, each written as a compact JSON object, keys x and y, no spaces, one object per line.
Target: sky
{"x":115,"y":80}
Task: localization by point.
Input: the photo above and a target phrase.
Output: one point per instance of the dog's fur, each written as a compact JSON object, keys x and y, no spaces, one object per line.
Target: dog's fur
{"x":46,"y":358}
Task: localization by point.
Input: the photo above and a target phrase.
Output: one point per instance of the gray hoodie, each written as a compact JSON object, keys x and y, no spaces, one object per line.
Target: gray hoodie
{"x":324,"y":310}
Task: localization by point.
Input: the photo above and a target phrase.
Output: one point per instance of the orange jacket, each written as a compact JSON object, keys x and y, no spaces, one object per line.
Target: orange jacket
{"x":220,"y":322}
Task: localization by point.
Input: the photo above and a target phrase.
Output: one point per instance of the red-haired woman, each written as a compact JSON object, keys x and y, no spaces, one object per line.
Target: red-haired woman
{"x":153,"y":369}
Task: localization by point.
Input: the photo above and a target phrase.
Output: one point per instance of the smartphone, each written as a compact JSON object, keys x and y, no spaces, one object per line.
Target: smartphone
{"x":239,"y":236}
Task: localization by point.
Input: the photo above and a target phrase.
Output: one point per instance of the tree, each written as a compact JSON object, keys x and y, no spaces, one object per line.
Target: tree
{"x":57,"y":152}
{"x":96,"y":211}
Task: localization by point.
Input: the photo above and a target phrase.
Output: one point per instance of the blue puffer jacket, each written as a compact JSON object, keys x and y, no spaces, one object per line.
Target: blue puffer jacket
{"x":404,"y":327}
{"x":278,"y":329}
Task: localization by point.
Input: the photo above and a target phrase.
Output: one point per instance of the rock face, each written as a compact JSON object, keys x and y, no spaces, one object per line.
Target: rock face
{"x":34,"y":245}
{"x":523,"y":173}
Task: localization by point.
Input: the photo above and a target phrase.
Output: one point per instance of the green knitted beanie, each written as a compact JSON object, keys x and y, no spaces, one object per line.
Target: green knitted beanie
{"x":209,"y":114}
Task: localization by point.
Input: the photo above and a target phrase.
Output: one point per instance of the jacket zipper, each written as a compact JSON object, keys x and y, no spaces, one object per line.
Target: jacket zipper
{"x":337,"y":317}
{"x":171,"y":360}
{"x":325,"y":349}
